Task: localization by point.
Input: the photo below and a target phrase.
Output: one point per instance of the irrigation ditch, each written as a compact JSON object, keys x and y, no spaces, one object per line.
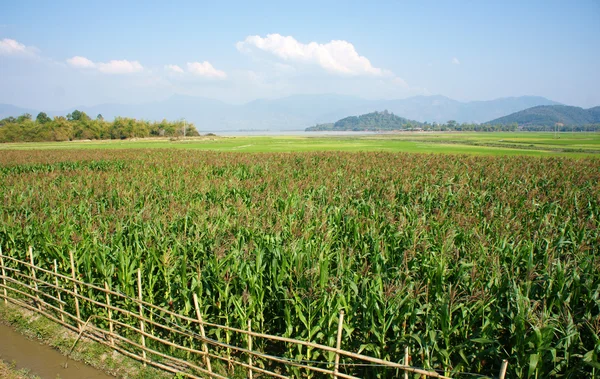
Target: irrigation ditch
{"x":41,"y":360}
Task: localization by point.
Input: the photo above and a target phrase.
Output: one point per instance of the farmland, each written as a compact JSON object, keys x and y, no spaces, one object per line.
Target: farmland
{"x":466,"y":259}
{"x":534,"y":144}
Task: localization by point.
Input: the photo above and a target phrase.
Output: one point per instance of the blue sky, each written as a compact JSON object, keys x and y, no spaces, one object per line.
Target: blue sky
{"x":59,"y":54}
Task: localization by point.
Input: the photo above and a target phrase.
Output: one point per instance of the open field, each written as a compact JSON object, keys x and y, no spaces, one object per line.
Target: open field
{"x":465,"y":259}
{"x":536,"y":144}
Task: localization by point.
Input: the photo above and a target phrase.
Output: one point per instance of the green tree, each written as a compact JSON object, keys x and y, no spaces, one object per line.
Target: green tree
{"x":43,"y":118}
{"x":78,"y":116}
{"x":24,"y":117}
{"x":8,"y":120}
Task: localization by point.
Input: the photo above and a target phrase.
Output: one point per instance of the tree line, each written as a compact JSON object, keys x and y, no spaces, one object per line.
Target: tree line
{"x":79,"y":126}
{"x":508,"y":127}
{"x":469,"y":127}
{"x":358,"y":123}
{"x":361,"y":124}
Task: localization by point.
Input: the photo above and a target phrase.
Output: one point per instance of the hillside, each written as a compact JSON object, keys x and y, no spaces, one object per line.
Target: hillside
{"x":550,"y":115}
{"x":371,"y":121}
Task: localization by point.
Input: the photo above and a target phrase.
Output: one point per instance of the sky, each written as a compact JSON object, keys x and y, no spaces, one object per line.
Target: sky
{"x":60,"y":54}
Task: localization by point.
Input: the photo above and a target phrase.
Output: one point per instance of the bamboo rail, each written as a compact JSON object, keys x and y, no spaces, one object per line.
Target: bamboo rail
{"x":32,"y":287}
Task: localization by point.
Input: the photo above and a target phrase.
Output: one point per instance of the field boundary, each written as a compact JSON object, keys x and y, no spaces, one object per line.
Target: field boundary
{"x":150,"y":333}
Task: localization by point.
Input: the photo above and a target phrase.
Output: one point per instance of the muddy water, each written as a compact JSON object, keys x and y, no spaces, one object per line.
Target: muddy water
{"x":42,"y":360}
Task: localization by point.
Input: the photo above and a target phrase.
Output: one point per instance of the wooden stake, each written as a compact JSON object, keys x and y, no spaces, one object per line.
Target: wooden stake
{"x":201,"y":323}
{"x":78,"y":314}
{"x":3,"y":276}
{"x":338,"y":345}
{"x":110,"y":322}
{"x":503,"y":369}
{"x":406,"y":359}
{"x":139,"y":277}
{"x":35,"y":286}
{"x":250,"y":348}
{"x":62,"y":316}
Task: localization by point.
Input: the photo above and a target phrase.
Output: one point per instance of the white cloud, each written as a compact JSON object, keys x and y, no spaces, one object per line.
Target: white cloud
{"x":80,"y":62}
{"x":120,"y":67}
{"x":337,"y":56}
{"x":205,"y":69}
{"x":110,"y":67}
{"x":455,"y":60}
{"x":174,"y":68}
{"x":11,"y":47}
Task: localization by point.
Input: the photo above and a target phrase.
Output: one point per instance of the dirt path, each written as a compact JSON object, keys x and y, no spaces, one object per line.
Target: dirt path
{"x":42,"y":360}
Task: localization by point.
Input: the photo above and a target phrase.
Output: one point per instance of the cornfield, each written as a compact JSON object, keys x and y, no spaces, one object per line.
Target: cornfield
{"x":465,"y":260}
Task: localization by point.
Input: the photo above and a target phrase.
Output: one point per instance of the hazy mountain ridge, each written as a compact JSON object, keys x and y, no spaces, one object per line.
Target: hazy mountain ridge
{"x":550,"y":115}
{"x":297,"y":112}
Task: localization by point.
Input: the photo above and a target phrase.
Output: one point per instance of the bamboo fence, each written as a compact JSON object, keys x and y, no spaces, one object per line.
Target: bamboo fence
{"x":150,"y":335}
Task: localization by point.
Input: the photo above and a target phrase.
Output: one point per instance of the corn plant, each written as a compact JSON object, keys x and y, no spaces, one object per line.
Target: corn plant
{"x":465,"y":260}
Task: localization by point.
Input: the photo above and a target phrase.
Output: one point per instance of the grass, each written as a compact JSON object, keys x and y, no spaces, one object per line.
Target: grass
{"x":8,"y":370}
{"x":533,"y":144}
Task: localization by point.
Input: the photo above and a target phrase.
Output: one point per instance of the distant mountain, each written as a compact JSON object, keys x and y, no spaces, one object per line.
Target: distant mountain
{"x":441,"y":109}
{"x":7,"y":110}
{"x":298,"y":111}
{"x":371,"y":121}
{"x":194,"y":109}
{"x":550,"y":115}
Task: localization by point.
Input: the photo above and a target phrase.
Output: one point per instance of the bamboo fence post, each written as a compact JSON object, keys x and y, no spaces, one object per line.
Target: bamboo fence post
{"x":406,"y":359}
{"x":338,"y":345}
{"x":35,"y":286}
{"x":503,"y":369}
{"x":202,"y":333}
{"x":250,"y":349}
{"x":110,"y":322}
{"x":75,"y":290}
{"x":62,"y":316}
{"x":3,"y":277}
{"x":139,"y":280}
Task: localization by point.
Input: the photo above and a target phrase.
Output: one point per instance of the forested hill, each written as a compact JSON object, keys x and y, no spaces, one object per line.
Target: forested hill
{"x":551,"y":115}
{"x":370,"y":121}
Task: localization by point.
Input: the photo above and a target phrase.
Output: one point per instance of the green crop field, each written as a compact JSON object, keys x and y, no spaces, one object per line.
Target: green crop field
{"x":538,"y":144}
{"x":466,"y":259}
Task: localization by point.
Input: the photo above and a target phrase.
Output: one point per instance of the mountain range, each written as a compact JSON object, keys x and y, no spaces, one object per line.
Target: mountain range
{"x":545,"y":115}
{"x":298,"y":111}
